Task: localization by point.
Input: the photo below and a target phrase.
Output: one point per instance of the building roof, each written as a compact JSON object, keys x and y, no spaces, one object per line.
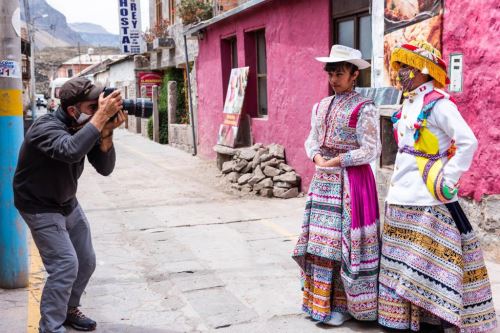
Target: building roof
{"x":91,"y":59}
{"x":235,"y":11}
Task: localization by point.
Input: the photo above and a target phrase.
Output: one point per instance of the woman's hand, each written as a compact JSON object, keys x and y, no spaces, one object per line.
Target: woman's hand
{"x":321,"y":162}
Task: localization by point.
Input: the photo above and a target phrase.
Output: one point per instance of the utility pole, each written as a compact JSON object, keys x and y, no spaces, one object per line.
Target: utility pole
{"x":13,"y":242}
{"x":31,"y":39}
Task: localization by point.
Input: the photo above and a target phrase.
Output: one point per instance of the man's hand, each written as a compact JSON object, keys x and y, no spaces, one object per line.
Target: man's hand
{"x":107,"y":131}
{"x":114,"y":122}
{"x":108,"y":107}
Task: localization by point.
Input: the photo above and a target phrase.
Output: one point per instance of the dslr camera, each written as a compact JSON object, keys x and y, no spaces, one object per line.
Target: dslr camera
{"x":139,"y":107}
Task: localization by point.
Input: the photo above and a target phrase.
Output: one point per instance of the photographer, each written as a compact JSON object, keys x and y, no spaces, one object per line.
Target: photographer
{"x":51,"y":160}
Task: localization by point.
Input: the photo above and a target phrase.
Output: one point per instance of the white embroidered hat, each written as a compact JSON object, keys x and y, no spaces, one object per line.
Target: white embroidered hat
{"x":340,"y":53}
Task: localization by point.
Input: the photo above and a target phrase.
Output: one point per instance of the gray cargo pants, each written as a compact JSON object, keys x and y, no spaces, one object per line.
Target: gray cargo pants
{"x":65,"y":245}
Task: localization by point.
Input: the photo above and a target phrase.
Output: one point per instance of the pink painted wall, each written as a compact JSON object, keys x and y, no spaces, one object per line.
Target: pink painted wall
{"x":296,"y":32}
{"x":472,"y":28}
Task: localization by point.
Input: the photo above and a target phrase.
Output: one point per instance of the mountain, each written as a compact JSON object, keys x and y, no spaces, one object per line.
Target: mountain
{"x":52,"y":28}
{"x":90,"y":28}
{"x":95,"y":34}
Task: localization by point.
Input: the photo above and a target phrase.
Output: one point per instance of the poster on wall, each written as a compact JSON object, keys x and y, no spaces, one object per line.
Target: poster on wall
{"x":235,"y":96}
{"x":406,"y":20}
{"x":149,"y":80}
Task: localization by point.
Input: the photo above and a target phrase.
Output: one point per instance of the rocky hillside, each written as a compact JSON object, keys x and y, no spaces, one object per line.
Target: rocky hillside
{"x":54,"y":30}
{"x":48,"y":59}
{"x":95,"y":35}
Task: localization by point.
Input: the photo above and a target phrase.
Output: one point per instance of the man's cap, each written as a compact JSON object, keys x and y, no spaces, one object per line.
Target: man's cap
{"x":79,"y":89}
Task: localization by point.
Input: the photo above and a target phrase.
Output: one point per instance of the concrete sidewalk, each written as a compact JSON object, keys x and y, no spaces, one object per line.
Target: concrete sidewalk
{"x":177,"y":252}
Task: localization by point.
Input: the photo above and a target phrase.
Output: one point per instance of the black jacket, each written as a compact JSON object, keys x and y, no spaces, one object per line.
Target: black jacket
{"x":50,"y":162}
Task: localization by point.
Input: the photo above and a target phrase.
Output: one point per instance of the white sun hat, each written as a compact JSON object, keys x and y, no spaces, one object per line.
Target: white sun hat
{"x":340,"y":53}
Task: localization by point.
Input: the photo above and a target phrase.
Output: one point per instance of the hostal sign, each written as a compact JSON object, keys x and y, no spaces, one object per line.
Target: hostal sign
{"x":130,"y":26}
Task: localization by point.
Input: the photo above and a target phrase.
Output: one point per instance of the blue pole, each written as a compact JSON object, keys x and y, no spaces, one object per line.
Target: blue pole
{"x":13,"y":244}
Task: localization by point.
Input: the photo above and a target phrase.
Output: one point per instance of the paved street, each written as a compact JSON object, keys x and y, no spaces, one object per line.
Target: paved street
{"x":177,"y":252}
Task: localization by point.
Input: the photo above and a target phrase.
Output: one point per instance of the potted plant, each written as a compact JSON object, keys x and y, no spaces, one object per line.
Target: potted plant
{"x":194,"y":11}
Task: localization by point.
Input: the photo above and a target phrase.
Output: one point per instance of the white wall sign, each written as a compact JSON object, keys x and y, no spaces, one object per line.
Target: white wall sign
{"x":456,"y":72}
{"x":129,"y":12}
{"x":9,"y":68}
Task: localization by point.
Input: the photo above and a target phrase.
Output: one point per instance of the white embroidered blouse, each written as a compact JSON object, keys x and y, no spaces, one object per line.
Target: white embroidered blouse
{"x":446,"y":123}
{"x":367,"y":135}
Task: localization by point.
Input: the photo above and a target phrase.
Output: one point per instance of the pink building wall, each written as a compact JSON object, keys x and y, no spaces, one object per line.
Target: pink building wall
{"x":472,"y":28}
{"x":296,"y":32}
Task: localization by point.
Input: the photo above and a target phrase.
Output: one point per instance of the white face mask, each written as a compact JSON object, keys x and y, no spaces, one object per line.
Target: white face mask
{"x":83,"y":117}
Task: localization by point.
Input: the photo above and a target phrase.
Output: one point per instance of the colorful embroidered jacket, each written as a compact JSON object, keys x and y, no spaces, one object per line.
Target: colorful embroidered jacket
{"x":427,"y":128}
{"x":346,"y":125}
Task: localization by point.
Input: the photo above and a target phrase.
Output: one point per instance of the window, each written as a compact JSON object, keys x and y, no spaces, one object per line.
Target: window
{"x":159,"y":11}
{"x":70,"y":72}
{"x":255,"y":58}
{"x":229,"y":58}
{"x":233,"y":45}
{"x":260,"y":42}
{"x":171,"y":11}
{"x":353,"y":27}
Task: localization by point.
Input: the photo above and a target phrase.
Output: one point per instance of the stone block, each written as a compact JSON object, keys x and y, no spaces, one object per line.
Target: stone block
{"x":276,"y":150}
{"x":244,"y":179}
{"x":274,"y":162}
{"x":258,"y":175}
{"x":232,"y":177}
{"x":271,"y":172}
{"x":247,"y":154}
{"x":246,"y":188}
{"x":266,"y":183}
{"x":265,"y":157}
{"x":289,"y":177}
{"x":285,"y":167}
{"x":227,"y":167}
{"x":247,"y":169}
{"x":257,"y":146}
{"x":240,"y":165}
{"x":221,"y":159}
{"x":284,"y":193}
{"x":224,"y":150}
{"x":266,"y":192}
{"x":283,"y":184}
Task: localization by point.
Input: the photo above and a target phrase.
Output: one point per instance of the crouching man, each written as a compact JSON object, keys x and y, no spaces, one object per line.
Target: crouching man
{"x":50,"y":162}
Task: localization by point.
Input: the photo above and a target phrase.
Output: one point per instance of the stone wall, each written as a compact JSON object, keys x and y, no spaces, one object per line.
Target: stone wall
{"x":134,"y":124}
{"x":179,"y":136}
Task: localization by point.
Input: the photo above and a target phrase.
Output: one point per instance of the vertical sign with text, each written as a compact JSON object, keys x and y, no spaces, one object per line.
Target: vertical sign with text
{"x":129,"y":12}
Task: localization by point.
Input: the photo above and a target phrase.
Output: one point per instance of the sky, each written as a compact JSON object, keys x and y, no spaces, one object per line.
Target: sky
{"x":101,"y":12}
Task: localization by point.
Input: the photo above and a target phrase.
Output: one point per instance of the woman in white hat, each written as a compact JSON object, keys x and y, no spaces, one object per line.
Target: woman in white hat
{"x":338,"y":249}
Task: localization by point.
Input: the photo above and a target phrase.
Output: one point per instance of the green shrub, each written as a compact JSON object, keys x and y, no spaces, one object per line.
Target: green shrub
{"x":177,"y":75}
{"x":163,"y":118}
{"x":150,"y":128}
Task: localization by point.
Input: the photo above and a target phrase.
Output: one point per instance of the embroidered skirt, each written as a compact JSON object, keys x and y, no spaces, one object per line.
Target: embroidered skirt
{"x":431,"y":268}
{"x":339,"y":256}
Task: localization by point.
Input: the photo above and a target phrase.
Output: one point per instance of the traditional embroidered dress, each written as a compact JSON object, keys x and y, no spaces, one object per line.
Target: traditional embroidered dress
{"x":338,"y":249}
{"x":432,"y":268}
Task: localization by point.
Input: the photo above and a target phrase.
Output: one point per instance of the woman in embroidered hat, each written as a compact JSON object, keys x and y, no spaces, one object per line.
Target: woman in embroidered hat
{"x":338,"y":249}
{"x":431,"y":269}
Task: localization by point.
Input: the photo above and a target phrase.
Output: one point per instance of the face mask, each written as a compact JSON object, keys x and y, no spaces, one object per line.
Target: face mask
{"x":405,"y":77}
{"x":82,"y":118}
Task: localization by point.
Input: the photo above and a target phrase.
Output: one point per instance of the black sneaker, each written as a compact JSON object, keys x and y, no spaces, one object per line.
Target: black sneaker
{"x":76,"y":319}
